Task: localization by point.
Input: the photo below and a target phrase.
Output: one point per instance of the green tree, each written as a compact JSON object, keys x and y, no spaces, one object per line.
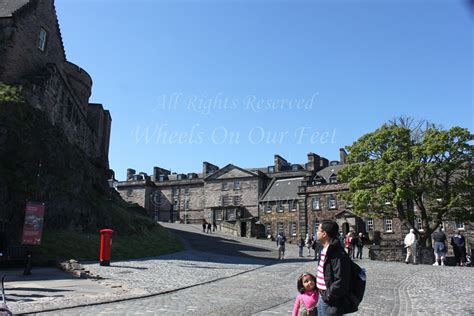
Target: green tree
{"x":402,"y":166}
{"x":10,"y":94}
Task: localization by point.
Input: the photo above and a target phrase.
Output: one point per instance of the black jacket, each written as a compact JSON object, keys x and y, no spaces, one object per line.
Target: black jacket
{"x":337,"y":275}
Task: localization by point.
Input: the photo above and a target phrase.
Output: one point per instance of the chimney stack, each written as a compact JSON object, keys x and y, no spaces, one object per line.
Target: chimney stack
{"x":342,"y":156}
{"x":313,"y":162}
{"x":280,"y":162}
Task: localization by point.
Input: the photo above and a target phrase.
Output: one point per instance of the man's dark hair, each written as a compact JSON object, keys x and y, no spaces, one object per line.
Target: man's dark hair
{"x":331,"y":228}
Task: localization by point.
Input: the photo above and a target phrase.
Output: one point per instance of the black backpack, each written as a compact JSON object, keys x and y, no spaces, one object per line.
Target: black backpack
{"x":357,"y":288}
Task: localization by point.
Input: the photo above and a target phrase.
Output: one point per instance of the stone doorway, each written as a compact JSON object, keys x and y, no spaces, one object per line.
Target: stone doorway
{"x":243,"y":229}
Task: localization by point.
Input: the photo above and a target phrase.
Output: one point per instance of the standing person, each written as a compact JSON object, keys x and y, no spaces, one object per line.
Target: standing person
{"x":214,"y":226}
{"x":306,"y":302}
{"x":316,"y":247}
{"x":333,"y":273}
{"x":281,"y":240}
{"x":309,"y":243}
{"x":349,"y":243}
{"x":410,"y":244}
{"x":459,"y":247}
{"x":204,"y":225}
{"x":360,"y":245}
{"x":440,"y":246}
{"x":209,"y":227}
{"x":300,"y":243}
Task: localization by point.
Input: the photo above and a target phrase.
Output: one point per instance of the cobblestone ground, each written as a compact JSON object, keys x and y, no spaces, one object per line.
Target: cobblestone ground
{"x":246,"y":285}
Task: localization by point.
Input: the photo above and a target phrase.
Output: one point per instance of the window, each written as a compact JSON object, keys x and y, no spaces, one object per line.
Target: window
{"x":268,"y":208}
{"x":231,"y":215}
{"x":218,"y":215}
{"x":129,"y":192}
{"x":280,"y":208}
{"x":460,"y":225}
{"x":237,"y":200}
{"x":370,"y":224}
{"x":186,"y":191}
{"x":333,"y":178}
{"x":268,"y":229}
{"x":174,"y":191}
{"x":42,"y":39}
{"x":236,"y":185}
{"x":316,"y":203}
{"x":293,"y":229}
{"x":280,"y":227}
{"x":388,"y":225}
{"x":225,"y":186}
{"x":318,"y":180}
{"x":186,"y":204}
{"x":292,"y":205}
{"x":271,"y":169}
{"x":332,"y":202}
{"x":315,"y":227}
{"x":225,"y":200}
{"x":419,"y":224}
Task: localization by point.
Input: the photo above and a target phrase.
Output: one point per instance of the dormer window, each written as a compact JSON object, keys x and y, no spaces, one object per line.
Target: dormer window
{"x":42,"y":39}
{"x":271,"y":169}
{"x":333,"y":178}
{"x":318,"y":180}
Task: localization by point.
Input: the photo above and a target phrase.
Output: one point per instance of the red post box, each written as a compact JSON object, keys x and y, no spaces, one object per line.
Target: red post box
{"x":105,"y":246}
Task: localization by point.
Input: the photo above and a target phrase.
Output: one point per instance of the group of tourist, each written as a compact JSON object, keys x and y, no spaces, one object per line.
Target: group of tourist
{"x":208,"y":227}
{"x":440,"y":247}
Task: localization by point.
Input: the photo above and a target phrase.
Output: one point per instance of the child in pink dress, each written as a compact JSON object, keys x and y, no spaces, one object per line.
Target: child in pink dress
{"x":307,"y":300}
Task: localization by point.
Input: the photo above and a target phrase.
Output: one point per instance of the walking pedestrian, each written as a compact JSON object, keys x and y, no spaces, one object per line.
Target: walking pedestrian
{"x":307,"y":300}
{"x":459,"y":247}
{"x":359,"y":242}
{"x":204,"y":225}
{"x":440,"y":246}
{"x":300,"y":244}
{"x":410,"y":245}
{"x":281,"y":240}
{"x":209,"y":227}
{"x":350,"y":244}
{"x":333,"y":272}
{"x":309,"y":243}
{"x":214,"y":226}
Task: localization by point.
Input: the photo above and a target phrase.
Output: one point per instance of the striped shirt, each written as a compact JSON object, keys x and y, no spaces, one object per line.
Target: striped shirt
{"x":320,"y":284}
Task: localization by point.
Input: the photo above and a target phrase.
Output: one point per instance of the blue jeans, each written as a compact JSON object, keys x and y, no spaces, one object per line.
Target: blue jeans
{"x":323,"y":308}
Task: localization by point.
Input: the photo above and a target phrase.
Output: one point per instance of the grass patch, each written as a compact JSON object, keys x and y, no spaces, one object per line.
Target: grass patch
{"x":64,"y":245}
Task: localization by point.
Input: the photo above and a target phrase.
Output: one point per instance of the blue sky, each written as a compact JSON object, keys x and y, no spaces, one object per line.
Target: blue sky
{"x":239,"y":81}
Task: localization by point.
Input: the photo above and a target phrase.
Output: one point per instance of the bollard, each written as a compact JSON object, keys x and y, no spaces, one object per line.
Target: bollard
{"x":28,"y":264}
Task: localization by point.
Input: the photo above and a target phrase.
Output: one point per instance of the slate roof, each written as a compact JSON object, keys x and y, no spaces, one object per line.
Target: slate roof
{"x":328,"y":171}
{"x":9,"y":7}
{"x":282,"y":189}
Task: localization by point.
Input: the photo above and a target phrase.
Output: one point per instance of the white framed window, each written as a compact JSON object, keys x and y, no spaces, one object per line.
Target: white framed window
{"x":218,"y":214}
{"x":267,"y":208}
{"x":42,"y":39}
{"x":315,"y":202}
{"x":280,"y":227}
{"x":225,"y":186}
{"x":459,"y":225}
{"x":236,"y":185}
{"x":226,"y":200}
{"x":237,"y":200}
{"x":186,"y":204}
{"x":186,"y":191}
{"x":331,"y":202}
{"x":419,"y":224}
{"x":292,"y":205}
{"x":388,"y":225}
{"x":293,"y":229}
{"x":370,"y":224}
{"x":280,"y":207}
{"x":268,"y":229}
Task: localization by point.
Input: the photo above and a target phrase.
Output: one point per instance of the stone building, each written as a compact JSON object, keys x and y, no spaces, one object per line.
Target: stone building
{"x":32,"y":55}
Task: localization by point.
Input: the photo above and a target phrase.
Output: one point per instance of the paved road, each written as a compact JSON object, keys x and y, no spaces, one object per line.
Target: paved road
{"x":257,"y":284}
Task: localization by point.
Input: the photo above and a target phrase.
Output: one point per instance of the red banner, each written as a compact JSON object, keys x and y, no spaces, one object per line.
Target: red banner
{"x":33,"y":227}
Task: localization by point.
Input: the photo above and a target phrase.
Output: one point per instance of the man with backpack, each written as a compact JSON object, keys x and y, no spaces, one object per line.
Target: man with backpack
{"x":281,"y":239}
{"x":340,"y":282}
